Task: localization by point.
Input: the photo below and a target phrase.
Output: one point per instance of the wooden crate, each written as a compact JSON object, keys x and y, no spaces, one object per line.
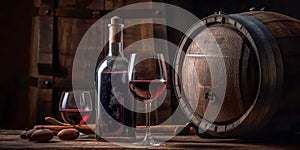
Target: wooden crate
{"x":57,"y":29}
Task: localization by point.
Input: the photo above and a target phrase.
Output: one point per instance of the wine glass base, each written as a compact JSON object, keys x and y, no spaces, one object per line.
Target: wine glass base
{"x":149,"y":141}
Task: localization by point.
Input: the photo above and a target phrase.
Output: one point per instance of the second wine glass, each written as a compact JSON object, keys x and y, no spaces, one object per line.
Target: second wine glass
{"x":75,"y":107}
{"x":147,"y":81}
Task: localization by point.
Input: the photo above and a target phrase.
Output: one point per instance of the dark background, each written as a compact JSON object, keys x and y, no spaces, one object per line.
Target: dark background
{"x":15,"y":32}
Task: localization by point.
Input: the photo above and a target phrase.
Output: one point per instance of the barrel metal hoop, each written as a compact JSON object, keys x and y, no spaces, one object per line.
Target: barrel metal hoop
{"x":270,"y":61}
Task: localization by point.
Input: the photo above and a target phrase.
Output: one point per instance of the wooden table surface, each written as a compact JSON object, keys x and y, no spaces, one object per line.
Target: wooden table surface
{"x":10,"y":139}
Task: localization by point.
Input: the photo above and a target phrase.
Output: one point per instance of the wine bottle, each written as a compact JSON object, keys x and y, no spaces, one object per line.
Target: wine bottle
{"x":115,"y":118}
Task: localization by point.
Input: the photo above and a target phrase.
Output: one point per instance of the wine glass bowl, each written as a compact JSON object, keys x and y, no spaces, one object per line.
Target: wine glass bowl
{"x":75,"y":107}
{"x":147,"y":75}
{"x":147,"y":90}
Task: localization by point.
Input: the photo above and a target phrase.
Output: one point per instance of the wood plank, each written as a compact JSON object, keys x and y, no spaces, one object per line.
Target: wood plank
{"x":10,"y":139}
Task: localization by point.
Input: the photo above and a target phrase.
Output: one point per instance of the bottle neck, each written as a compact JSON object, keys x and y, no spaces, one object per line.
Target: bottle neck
{"x":115,"y":49}
{"x":115,"y":39}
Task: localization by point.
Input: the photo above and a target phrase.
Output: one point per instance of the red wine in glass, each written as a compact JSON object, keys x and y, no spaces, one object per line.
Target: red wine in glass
{"x":75,"y":107}
{"x":147,"y":90}
{"x":75,"y":116}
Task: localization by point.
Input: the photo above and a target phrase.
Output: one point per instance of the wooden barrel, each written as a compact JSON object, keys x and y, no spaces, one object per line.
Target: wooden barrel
{"x":57,"y":29}
{"x":251,"y":86}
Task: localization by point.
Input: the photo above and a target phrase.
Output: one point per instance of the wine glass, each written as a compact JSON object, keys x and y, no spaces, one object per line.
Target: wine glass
{"x":147,"y":75}
{"x":75,"y":107}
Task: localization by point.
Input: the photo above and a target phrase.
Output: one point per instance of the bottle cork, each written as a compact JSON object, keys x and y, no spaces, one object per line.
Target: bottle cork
{"x":115,"y":28}
{"x":116,"y":20}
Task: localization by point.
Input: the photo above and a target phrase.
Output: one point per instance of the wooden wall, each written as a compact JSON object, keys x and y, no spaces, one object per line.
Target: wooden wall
{"x":203,"y":8}
{"x":15,"y":30}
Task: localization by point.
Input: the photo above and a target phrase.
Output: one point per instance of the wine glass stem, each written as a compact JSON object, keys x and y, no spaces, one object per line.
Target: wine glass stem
{"x":148,"y":108}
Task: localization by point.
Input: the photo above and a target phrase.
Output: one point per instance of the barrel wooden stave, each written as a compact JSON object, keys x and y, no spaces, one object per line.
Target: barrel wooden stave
{"x":286,"y":31}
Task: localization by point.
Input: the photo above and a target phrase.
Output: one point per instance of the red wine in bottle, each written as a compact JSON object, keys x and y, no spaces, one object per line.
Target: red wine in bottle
{"x":115,"y":116}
